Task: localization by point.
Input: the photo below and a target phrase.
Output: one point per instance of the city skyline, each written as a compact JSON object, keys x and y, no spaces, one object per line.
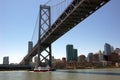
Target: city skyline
{"x":17,"y":24}
{"x":86,"y":55}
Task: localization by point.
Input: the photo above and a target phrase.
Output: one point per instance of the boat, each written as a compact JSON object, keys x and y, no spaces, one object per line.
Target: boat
{"x":41,"y":69}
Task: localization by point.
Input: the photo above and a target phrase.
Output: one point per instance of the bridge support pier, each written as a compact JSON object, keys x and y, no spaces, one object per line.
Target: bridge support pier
{"x":47,"y":59}
{"x":50,"y":56}
{"x":44,"y":25}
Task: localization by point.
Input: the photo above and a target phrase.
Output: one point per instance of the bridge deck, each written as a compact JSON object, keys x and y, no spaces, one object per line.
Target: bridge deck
{"x":15,"y":67}
{"x":76,"y":12}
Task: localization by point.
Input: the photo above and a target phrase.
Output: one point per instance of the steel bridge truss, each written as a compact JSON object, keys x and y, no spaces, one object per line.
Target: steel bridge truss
{"x":76,"y":12}
{"x":44,"y":25}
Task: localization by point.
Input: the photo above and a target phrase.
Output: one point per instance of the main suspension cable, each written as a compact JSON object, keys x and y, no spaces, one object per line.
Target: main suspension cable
{"x":58,"y":3}
{"x":47,"y":2}
{"x":35,"y":27}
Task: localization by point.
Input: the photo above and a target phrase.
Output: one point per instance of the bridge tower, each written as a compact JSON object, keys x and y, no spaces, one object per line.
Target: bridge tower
{"x":44,"y":25}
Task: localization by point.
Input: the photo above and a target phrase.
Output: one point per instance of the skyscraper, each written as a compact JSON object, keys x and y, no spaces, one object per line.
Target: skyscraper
{"x":71,"y":53}
{"x":75,"y":56}
{"x":30,"y":46}
{"x":6,"y":60}
{"x":107,"y":49}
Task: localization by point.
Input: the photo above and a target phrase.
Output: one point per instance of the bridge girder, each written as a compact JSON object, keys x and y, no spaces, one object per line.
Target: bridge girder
{"x":76,"y":12}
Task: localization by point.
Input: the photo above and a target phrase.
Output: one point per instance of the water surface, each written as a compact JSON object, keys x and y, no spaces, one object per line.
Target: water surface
{"x":85,"y":74}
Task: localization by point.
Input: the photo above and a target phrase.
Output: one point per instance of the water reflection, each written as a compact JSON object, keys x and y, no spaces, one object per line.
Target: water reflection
{"x":86,"y":74}
{"x":97,"y":73}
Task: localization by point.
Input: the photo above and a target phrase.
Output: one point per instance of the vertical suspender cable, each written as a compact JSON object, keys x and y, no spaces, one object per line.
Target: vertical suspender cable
{"x":35,"y":27}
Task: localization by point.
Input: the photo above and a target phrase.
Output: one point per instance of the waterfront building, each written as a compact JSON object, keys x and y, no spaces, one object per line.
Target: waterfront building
{"x":101,"y":57}
{"x":117,"y":50}
{"x":114,"y":57}
{"x":75,"y":55}
{"x":64,"y":62}
{"x":82,"y":59}
{"x":90,"y":57}
{"x":107,"y":49}
{"x":71,"y":53}
{"x":96,"y":58}
{"x":56,"y":61}
{"x":64,"y":59}
{"x":6,"y":60}
{"x":30,"y":46}
{"x":35,"y":59}
{"x":112,"y":49}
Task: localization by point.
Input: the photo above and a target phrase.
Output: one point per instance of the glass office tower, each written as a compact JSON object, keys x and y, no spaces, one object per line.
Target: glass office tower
{"x":71,"y":53}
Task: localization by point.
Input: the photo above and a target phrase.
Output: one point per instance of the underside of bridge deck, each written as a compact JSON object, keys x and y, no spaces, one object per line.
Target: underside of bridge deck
{"x":76,"y":12}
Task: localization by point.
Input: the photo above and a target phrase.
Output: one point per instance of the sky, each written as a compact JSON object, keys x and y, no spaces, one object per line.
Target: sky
{"x":18,"y":18}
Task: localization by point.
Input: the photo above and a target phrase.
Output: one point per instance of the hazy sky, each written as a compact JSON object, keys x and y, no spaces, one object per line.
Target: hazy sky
{"x":18,"y":18}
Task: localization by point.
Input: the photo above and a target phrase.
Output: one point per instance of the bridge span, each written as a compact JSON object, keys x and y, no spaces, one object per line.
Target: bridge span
{"x":75,"y":13}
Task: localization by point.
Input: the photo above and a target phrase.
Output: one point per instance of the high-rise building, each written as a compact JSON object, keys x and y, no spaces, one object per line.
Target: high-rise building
{"x":75,"y":55}
{"x":71,"y":53}
{"x":112,"y":49}
{"x":107,"y":49}
{"x":6,"y":60}
{"x":90,"y":57}
{"x":30,"y":46}
{"x":100,"y":56}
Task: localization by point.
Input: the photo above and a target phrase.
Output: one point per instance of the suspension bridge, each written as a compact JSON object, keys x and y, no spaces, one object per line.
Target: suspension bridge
{"x":49,"y":27}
